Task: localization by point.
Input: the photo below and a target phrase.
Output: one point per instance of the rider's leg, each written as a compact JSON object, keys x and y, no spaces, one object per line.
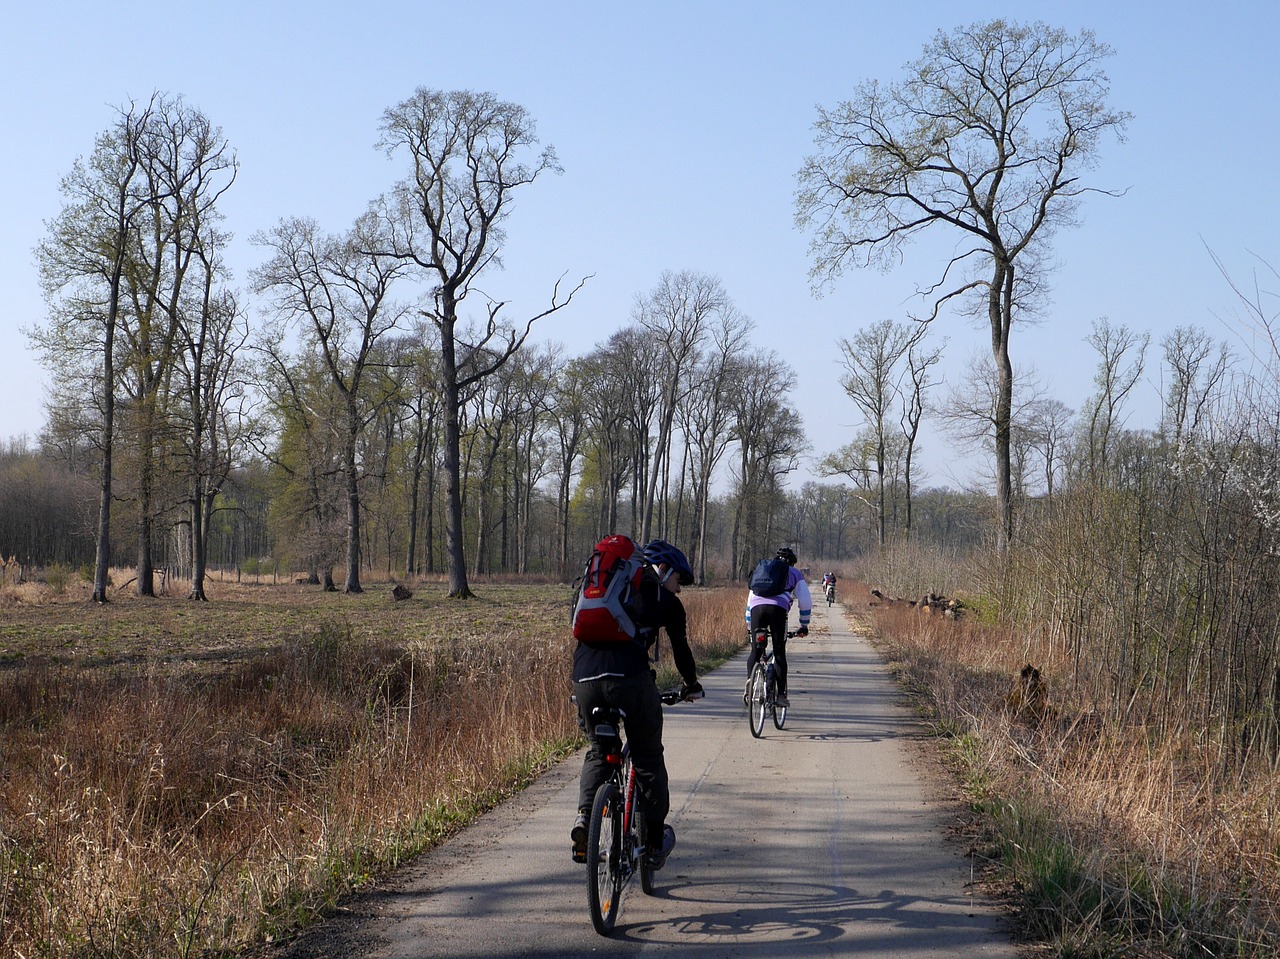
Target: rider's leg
{"x":594,"y":768}
{"x":759,"y":620}
{"x":778,"y":627}
{"x":639,"y":697}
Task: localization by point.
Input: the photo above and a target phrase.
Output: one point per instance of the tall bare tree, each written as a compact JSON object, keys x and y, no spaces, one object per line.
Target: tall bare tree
{"x":337,"y":290}
{"x":677,"y":314}
{"x":420,"y":407}
{"x":569,"y":415}
{"x":214,"y":420}
{"x":920,"y":359}
{"x":988,"y":135}
{"x":174,"y":276}
{"x":610,"y":399}
{"x":1121,"y":357}
{"x":871,"y":371}
{"x":1198,"y":368}
{"x":116,"y":262}
{"x":709,"y":416}
{"x":770,"y":438}
{"x":467,"y":155}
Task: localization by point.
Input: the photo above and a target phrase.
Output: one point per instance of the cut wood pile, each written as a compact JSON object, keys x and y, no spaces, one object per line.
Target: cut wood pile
{"x":929,"y":603}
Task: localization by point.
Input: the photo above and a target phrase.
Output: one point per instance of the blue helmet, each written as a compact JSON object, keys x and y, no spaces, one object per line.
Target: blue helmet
{"x":659,"y":552}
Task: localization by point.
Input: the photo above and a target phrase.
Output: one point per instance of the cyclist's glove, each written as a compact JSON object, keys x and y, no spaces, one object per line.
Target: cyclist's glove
{"x":691,"y":691}
{"x":804,"y":631}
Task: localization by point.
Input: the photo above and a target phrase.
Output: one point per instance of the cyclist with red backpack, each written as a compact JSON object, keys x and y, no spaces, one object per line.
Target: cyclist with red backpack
{"x":773,"y":585}
{"x":615,"y":671}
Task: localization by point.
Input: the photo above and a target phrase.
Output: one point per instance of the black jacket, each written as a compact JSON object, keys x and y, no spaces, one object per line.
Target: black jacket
{"x":656,"y":608}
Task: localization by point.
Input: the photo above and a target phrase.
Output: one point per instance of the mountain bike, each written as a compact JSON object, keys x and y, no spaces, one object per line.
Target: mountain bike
{"x":617,"y":834}
{"x":831,"y":593}
{"x":762,"y":687}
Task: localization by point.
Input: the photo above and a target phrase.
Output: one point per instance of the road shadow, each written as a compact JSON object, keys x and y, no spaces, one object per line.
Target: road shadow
{"x":802,"y":919}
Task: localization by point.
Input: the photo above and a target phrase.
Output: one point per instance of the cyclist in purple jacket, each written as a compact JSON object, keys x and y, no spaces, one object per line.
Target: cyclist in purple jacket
{"x":771,"y":612}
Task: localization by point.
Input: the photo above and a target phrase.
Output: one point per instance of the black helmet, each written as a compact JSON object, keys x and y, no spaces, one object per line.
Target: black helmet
{"x":787,"y":553}
{"x":660,"y":552}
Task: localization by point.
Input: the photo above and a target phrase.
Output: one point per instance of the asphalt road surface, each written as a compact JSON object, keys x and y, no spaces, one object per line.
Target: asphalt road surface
{"x":826,"y":838}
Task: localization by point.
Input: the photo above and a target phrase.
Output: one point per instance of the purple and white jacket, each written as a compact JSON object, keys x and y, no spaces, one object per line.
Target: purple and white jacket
{"x":796,"y":584}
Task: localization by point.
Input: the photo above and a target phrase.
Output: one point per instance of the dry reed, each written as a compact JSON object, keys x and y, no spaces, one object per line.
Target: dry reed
{"x":1119,"y":839}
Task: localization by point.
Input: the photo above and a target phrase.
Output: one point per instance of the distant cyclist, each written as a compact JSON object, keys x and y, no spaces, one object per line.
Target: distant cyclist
{"x":771,"y":612}
{"x":619,"y":674}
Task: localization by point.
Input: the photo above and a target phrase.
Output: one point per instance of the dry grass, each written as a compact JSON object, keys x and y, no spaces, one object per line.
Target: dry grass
{"x":1119,"y":841}
{"x":190,"y":779}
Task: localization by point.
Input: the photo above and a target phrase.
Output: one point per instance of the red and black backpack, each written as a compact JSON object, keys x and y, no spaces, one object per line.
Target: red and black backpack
{"x":604,"y":607}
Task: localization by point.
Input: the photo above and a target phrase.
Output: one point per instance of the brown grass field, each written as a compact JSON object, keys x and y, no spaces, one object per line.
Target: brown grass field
{"x":186,"y":779}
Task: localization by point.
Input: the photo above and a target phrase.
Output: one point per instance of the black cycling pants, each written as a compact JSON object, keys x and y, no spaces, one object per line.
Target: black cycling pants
{"x":638,"y":697}
{"x":773,"y":618}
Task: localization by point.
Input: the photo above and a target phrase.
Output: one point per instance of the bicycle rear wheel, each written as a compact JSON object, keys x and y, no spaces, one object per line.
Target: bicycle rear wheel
{"x":758,"y":707}
{"x":604,"y":858}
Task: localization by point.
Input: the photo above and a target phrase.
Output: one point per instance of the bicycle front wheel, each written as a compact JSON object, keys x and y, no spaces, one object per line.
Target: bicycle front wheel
{"x":758,"y":708}
{"x":605,"y":858}
{"x":779,"y":715}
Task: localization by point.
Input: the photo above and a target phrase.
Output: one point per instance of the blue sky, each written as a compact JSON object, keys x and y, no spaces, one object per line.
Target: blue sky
{"x":680,"y":126}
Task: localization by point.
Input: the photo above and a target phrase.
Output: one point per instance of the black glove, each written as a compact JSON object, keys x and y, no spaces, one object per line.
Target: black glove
{"x":691,"y":691}
{"x":804,"y":631}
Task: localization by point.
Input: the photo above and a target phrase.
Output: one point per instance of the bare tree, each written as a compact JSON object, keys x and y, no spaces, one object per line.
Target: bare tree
{"x":987,"y":135}
{"x":339,"y":294}
{"x":859,"y":460}
{"x":569,"y":415}
{"x":1121,"y":358}
{"x":1048,"y":429}
{"x":920,"y":359}
{"x":708,"y":419}
{"x":970,"y":410}
{"x":214,"y":421}
{"x":1198,"y":368}
{"x":770,"y":438}
{"x":82,"y":263}
{"x":420,"y":405}
{"x":466,"y":153}
{"x":870,"y":379}
{"x":677,"y":315}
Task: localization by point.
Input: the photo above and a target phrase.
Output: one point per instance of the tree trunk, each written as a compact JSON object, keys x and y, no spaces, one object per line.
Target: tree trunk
{"x":1000,"y":307}
{"x":458,"y":588}
{"x":200,"y":507}
{"x":353,"y":504}
{"x":145,"y":585}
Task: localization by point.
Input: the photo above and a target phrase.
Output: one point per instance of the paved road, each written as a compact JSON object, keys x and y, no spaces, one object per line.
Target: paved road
{"x":823,"y":839}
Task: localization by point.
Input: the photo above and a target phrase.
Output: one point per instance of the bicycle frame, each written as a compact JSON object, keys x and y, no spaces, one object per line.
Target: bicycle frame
{"x":616,"y":836}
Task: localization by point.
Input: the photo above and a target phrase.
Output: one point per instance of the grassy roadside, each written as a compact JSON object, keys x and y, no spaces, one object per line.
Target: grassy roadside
{"x":1107,"y":841}
{"x":194,"y":779}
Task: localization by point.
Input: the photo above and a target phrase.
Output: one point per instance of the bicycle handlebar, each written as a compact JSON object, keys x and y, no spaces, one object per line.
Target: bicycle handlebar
{"x":677,"y":694}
